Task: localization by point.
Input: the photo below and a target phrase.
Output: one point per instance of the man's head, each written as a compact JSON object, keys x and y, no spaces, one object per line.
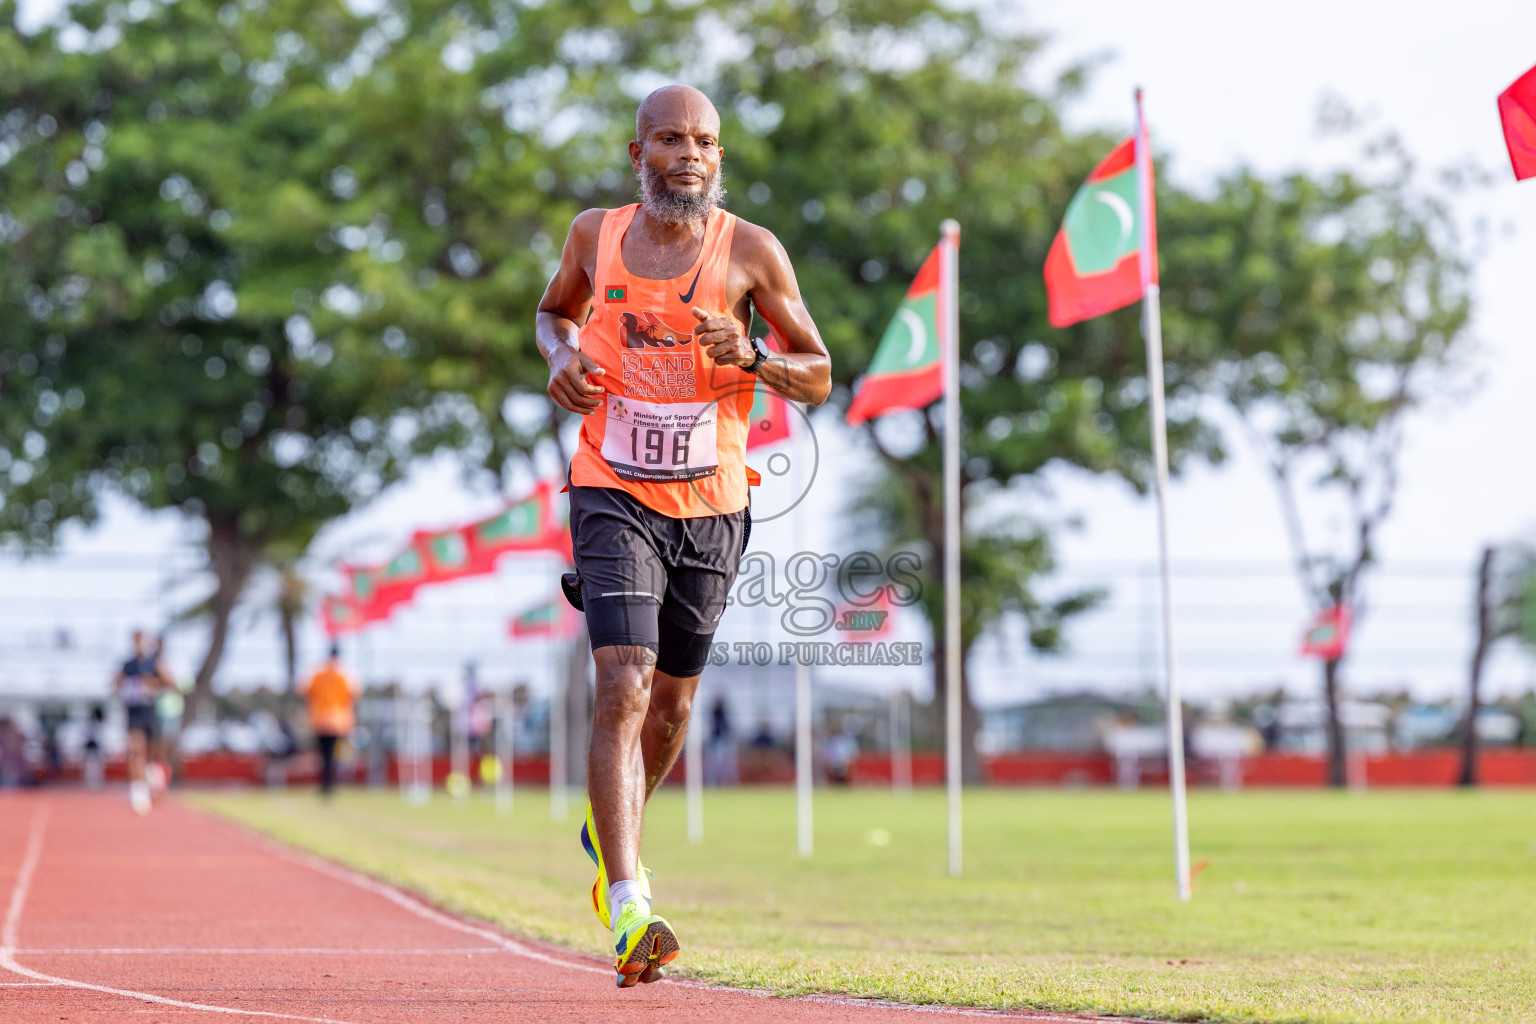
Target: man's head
{"x":140,"y":643}
{"x":676,"y":154}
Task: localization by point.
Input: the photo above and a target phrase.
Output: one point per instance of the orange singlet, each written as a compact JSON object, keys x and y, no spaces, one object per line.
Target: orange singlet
{"x":673,"y":427}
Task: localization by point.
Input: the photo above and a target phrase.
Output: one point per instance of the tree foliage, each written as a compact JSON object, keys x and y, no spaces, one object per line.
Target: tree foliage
{"x":179,"y":310}
{"x":1333,"y":307}
{"x":260,"y":254}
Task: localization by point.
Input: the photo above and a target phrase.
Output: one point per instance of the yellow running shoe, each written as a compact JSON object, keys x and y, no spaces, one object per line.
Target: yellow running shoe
{"x":642,"y":944}
{"x":600,"y":887}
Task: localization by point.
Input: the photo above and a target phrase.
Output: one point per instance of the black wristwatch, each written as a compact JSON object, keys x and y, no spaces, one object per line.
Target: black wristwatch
{"x":761,"y":348}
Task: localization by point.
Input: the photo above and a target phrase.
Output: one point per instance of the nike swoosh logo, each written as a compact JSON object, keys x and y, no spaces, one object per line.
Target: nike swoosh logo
{"x":689,"y":297}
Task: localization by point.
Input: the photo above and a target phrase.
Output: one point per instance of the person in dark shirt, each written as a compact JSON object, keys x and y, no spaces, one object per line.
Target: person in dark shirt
{"x":139,"y":683}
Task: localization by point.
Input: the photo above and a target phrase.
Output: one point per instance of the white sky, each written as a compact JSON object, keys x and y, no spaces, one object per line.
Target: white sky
{"x":1226,"y":83}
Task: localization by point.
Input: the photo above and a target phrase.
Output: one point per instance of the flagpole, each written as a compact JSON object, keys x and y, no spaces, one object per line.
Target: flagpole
{"x":804,"y":827}
{"x":504,"y":739}
{"x":1152,"y":308}
{"x":952,"y":660}
{"x":559,"y":773}
{"x":693,"y":752}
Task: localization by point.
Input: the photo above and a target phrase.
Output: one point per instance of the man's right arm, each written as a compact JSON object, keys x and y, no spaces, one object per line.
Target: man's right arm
{"x":565,"y":301}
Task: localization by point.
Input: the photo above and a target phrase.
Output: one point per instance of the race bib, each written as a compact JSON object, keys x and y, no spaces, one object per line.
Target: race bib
{"x":648,"y":441}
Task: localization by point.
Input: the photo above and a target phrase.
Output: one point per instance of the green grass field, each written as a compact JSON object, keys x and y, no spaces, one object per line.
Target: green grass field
{"x":1393,"y":906}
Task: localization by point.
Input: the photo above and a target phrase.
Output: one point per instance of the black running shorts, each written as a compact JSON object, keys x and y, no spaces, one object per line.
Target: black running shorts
{"x":649,"y":580}
{"x":145,"y":719}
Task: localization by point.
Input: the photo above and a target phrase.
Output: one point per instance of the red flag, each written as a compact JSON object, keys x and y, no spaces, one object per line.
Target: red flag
{"x":1094,"y":266}
{"x":870,"y":621}
{"x":554,"y":618}
{"x":445,"y":554}
{"x":338,"y":616}
{"x":440,"y":556}
{"x":527,"y":525}
{"x":1328,"y":636}
{"x":907,"y":371}
{"x":768,"y":422}
{"x":1517,"y":109}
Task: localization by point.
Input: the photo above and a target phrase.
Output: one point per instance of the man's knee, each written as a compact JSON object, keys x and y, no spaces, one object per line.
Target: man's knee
{"x":623,"y":683}
{"x":670,"y":704}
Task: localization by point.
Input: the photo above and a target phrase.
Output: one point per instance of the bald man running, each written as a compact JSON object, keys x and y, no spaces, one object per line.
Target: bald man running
{"x":663,"y":372}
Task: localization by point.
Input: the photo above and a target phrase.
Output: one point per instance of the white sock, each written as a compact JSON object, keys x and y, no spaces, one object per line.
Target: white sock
{"x":620,"y":893}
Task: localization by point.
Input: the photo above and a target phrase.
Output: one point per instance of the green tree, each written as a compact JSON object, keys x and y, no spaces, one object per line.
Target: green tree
{"x":1505,"y":606}
{"x":181,"y":300}
{"x":872,"y":126}
{"x":1332,"y":308}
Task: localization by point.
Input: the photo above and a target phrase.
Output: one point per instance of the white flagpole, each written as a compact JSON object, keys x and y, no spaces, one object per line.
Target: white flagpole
{"x":693,"y":752}
{"x":458,"y":748}
{"x":804,"y":829}
{"x":504,"y":726}
{"x":402,"y":739}
{"x":1154,"y":334}
{"x":559,"y":773}
{"x":901,"y":743}
{"x":950,"y":316}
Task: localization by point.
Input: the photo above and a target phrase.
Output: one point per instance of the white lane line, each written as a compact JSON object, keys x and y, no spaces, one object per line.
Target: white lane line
{"x":8,"y":932}
{"x":29,"y":984}
{"x":13,"y":923}
{"x":408,"y":902}
{"x":254,"y":950}
{"x":403,"y":899}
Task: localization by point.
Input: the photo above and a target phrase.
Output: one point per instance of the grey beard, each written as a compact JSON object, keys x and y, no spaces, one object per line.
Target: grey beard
{"x":671,"y":207}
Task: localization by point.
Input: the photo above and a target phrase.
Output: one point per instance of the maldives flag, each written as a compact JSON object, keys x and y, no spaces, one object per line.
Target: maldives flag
{"x":396,"y":582}
{"x":527,"y":525}
{"x":445,"y":555}
{"x":1328,"y":636}
{"x":907,"y":371}
{"x":1094,"y":266}
{"x":553,"y":618}
{"x":1517,"y":109}
{"x":768,"y":422}
{"x":871,"y":621}
{"x":362,"y":593}
{"x":339,"y":616}
{"x":366,"y":598}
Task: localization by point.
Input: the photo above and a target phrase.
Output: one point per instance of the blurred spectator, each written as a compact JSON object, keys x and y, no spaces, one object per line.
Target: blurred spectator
{"x":720,"y":767}
{"x":168,"y":708}
{"x":1267,"y":720}
{"x":95,"y":757}
{"x":14,"y":767}
{"x":478,"y":710}
{"x":49,"y":720}
{"x":331,"y":694}
{"x":842,"y":750}
{"x":764,"y":739}
{"x":139,"y":683}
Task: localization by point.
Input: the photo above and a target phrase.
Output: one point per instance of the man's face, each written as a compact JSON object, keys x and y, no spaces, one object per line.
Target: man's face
{"x":678,"y":161}
{"x":140,"y":644}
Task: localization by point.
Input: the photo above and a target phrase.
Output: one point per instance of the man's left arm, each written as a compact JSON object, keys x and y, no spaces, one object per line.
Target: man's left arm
{"x":803,"y":373}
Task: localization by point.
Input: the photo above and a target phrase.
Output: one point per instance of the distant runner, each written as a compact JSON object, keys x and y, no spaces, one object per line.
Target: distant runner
{"x":330,"y":694}
{"x":139,"y":683}
{"x":663,"y":372}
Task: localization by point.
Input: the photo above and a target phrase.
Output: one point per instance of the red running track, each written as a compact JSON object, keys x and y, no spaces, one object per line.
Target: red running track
{"x":179,"y":917}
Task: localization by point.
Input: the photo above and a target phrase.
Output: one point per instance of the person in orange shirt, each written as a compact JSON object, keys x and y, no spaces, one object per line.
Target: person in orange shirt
{"x":330,"y":693}
{"x":644,"y":326}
